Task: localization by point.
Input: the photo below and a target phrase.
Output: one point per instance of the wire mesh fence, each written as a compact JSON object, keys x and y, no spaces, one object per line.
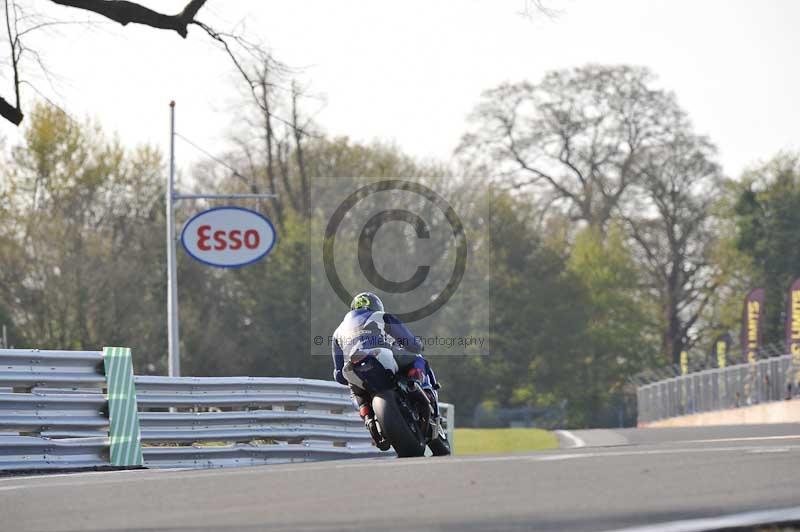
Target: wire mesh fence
{"x":768,"y":379}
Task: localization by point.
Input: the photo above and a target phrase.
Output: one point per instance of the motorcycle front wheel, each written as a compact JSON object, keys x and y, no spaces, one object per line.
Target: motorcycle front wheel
{"x":405,"y":441}
{"x":440,"y":446}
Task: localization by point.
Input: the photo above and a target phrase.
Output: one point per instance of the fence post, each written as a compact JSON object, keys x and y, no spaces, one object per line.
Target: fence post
{"x":641,"y":405}
{"x":123,"y":412}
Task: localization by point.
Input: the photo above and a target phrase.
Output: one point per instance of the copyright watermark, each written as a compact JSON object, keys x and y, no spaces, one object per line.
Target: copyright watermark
{"x":422,"y":245}
{"x":466,"y":342}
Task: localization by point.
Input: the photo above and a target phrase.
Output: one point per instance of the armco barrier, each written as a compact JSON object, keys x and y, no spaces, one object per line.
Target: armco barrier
{"x":62,"y":412}
{"x":717,"y":389}
{"x":260,"y":421}
{"x":58,"y":415}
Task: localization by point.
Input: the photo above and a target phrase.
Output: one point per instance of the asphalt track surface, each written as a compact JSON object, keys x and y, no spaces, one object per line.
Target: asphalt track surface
{"x":605,"y":480}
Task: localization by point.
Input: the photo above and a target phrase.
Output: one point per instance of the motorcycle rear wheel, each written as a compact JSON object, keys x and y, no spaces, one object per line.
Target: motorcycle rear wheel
{"x":404,"y":440}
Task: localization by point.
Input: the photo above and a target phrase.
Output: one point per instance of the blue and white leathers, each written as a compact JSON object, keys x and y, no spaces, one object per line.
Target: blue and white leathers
{"x":368,"y":332}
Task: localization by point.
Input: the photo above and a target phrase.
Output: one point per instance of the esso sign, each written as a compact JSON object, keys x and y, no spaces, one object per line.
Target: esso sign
{"x":228,"y":237}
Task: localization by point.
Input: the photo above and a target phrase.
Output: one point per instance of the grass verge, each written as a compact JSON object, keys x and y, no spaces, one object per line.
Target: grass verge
{"x":495,"y":441}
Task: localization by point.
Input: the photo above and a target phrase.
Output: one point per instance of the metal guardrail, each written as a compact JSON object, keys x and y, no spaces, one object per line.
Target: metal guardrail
{"x":716,"y":389}
{"x":20,"y":368}
{"x":242,"y":392}
{"x":43,"y":454}
{"x":54,"y":414}
{"x":260,"y":420}
{"x":44,"y":423}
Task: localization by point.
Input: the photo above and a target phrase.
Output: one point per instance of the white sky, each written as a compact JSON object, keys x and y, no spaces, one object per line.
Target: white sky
{"x":411,"y":71}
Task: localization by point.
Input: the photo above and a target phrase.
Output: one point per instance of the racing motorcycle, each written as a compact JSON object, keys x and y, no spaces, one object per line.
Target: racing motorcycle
{"x":402,"y":409}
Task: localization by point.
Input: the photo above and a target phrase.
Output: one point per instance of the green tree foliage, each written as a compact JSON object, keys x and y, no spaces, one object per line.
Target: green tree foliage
{"x":251,"y":321}
{"x":734,"y":276}
{"x":539,"y":316}
{"x":80,"y":264}
{"x":620,"y":337}
{"x":767,"y":214}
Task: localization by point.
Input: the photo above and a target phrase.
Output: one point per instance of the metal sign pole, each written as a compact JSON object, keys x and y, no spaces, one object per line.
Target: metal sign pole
{"x":172,"y":268}
{"x":172,"y":265}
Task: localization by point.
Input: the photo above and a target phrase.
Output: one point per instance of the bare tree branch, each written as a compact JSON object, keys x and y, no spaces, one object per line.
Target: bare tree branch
{"x":121,"y":11}
{"x":129,"y":12}
{"x":298,"y":148}
{"x":12,"y":113}
{"x":537,"y":6}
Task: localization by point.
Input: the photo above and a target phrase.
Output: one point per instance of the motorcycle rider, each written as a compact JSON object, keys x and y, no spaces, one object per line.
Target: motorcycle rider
{"x":367,"y":330}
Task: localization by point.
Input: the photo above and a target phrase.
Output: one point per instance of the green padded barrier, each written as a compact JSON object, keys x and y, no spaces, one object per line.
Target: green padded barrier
{"x":123,"y":414}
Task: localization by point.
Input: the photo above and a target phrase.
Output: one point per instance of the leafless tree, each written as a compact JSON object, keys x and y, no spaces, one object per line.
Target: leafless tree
{"x":674,"y":231}
{"x":602,"y":143}
{"x":270,"y":137}
{"x":577,"y":136}
{"x":274,"y":143}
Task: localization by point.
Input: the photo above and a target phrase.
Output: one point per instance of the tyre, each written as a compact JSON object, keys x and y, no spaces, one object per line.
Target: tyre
{"x":406,"y":442}
{"x":440,"y":446}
